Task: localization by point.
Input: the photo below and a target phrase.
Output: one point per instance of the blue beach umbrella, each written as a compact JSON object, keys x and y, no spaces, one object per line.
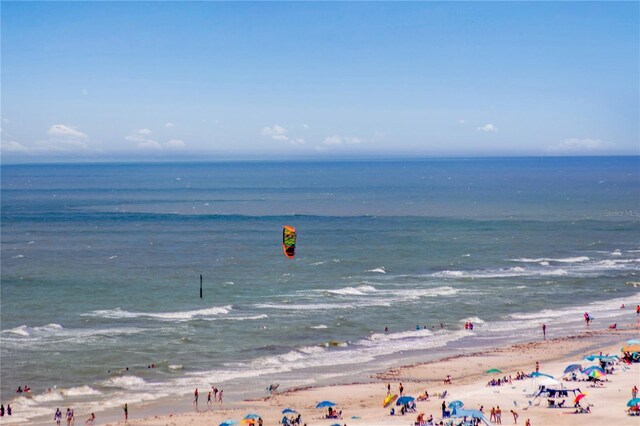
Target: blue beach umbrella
{"x":251,"y":416}
{"x":229,"y":422}
{"x":633,"y":402}
{"x":404,"y":400}
{"x":325,"y":404}
{"x":456,"y":404}
{"x":572,"y":367}
{"x":633,"y":342}
{"x":537,"y":374}
{"x":589,"y":370}
{"x":289,"y":411}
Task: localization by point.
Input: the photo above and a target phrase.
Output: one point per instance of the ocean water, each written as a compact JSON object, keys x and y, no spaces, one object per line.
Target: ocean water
{"x":101,"y":264}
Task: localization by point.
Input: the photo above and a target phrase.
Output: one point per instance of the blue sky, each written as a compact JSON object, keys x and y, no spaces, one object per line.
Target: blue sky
{"x":205,"y":80}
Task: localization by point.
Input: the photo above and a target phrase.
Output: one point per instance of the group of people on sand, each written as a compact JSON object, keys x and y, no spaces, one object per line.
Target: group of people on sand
{"x":499,"y":381}
{"x":2,"y":411}
{"x":70,"y":417}
{"x":215,"y":395}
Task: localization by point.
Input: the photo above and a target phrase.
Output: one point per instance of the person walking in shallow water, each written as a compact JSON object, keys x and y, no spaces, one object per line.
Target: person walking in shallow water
{"x":195,"y":396}
{"x":126,"y":412}
{"x":544,"y":331}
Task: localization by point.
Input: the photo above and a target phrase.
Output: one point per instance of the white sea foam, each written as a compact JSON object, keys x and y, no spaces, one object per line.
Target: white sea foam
{"x":125,"y":382}
{"x":20,"y":256}
{"x":616,"y":252}
{"x":81,"y":391}
{"x":253,"y":317}
{"x":20,"y":331}
{"x":319,"y":327}
{"x":474,"y":320}
{"x":379,"y":270}
{"x":354,"y":291}
{"x":400,"y":335}
{"x":48,"y":396}
{"x":175,"y":366}
{"x":118,"y":313}
{"x":576,"y":259}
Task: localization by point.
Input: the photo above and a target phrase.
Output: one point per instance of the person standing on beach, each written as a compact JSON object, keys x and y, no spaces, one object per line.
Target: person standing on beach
{"x":209,"y":399}
{"x":1,"y":410}
{"x":537,"y":366}
{"x":544,"y":331}
{"x":388,"y":388}
{"x":498,"y":415}
{"x":634,"y":392}
{"x":515,"y":417}
{"x":57,"y":416}
{"x":195,"y":396}
{"x":8,"y":409}
{"x":220,"y":396}
{"x":126,"y":412}
{"x":527,"y":423}
{"x":492,"y":417}
{"x":400,"y":389}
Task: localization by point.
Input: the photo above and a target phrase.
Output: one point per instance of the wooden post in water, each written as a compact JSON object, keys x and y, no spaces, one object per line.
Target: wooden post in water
{"x":200,"y":286}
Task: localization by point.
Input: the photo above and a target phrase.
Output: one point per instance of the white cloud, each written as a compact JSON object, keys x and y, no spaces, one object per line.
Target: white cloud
{"x":340,"y":140}
{"x":143,"y":141}
{"x":62,"y":130}
{"x":60,"y":145}
{"x":297,"y":141}
{"x":579,"y":145}
{"x":174,"y":144}
{"x":168,"y":124}
{"x":149,"y":144}
{"x":487,"y":128}
{"x":277,"y":133}
{"x":13,"y":146}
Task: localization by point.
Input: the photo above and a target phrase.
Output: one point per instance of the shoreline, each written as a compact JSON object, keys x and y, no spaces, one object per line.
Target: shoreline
{"x":361,"y":399}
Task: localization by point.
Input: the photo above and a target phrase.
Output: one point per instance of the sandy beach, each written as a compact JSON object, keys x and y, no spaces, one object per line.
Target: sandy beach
{"x":361,"y":403}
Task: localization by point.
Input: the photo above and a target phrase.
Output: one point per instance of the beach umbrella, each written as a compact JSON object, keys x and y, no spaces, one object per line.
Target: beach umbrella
{"x":325,"y":404}
{"x":289,"y":411}
{"x":633,"y":402}
{"x":229,"y":422}
{"x":389,"y":400}
{"x":572,"y":367}
{"x":494,"y":371}
{"x":635,"y":347}
{"x":456,"y":404}
{"x":633,"y":342}
{"x":251,"y":416}
{"x":588,"y":370}
{"x":596,"y":374}
{"x":538,"y":374}
{"x":579,"y":397}
{"x":404,"y":400}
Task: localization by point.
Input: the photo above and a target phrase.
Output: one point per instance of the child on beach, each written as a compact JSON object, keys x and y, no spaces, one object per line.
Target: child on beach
{"x":91,"y":419}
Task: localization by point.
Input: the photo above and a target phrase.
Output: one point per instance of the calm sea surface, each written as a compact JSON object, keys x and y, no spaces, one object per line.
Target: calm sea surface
{"x":101,"y":264}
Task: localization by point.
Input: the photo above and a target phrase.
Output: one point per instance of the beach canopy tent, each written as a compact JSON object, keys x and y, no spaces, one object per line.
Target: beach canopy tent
{"x":633,"y":402}
{"x":606,"y":358}
{"x":404,"y":400}
{"x":456,"y":404}
{"x":325,"y":404}
{"x":472,"y":414}
{"x":547,"y":381}
{"x":554,"y":392}
{"x":538,"y":374}
{"x":289,"y":411}
{"x":572,"y":367}
{"x":494,"y":371}
{"x":228,"y":422}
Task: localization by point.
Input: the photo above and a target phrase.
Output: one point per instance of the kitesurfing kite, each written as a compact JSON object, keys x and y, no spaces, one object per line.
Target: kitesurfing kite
{"x":289,"y":241}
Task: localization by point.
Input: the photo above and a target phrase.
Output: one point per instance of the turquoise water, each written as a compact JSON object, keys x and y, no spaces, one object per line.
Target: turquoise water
{"x":101,"y":265}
